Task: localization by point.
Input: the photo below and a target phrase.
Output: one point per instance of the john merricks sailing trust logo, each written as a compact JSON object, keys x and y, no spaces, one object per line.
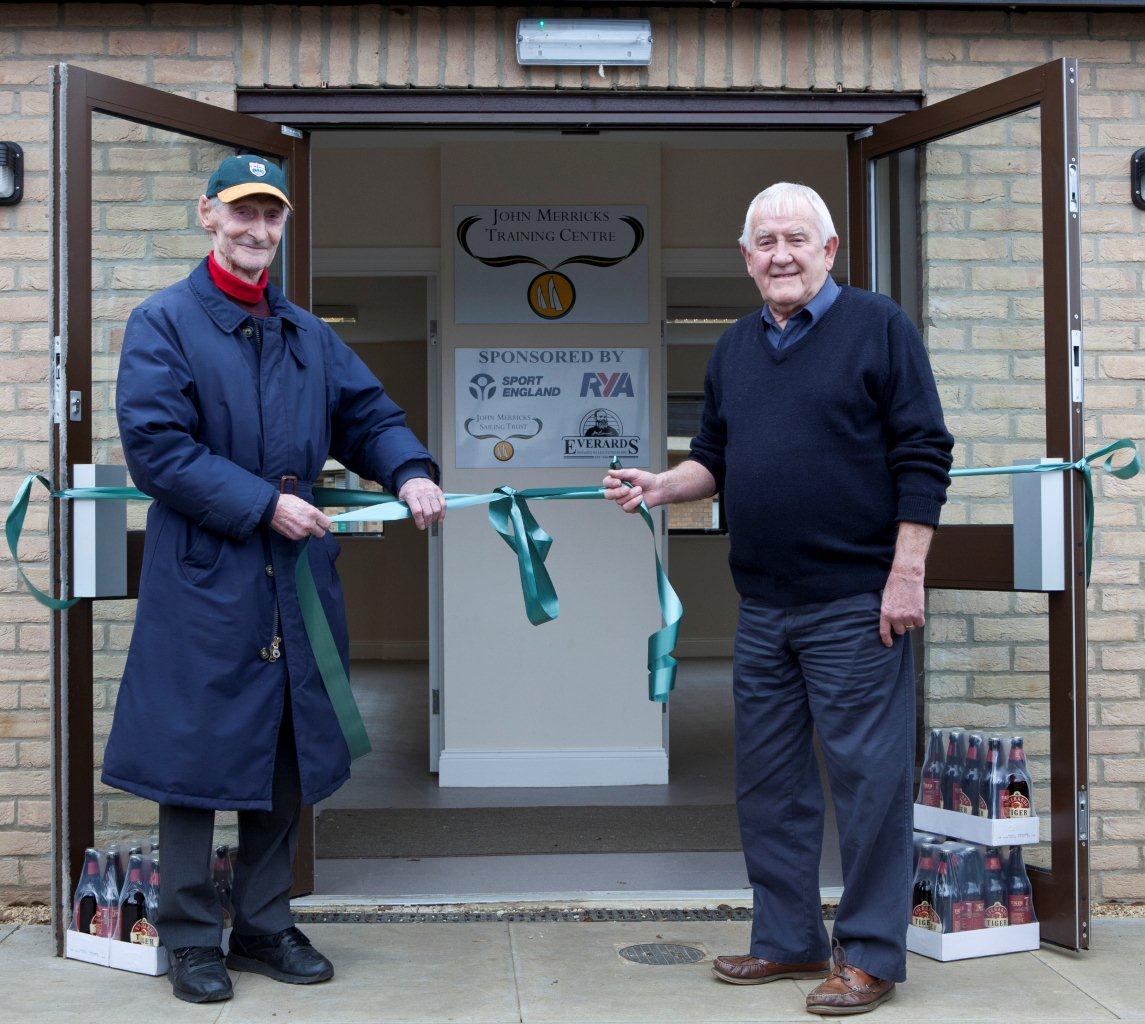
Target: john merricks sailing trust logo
{"x":481,"y":386}
{"x":503,"y":428}
{"x":601,"y":435}
{"x":550,"y":294}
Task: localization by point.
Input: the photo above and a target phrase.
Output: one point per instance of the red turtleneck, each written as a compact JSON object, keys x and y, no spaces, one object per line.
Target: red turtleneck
{"x":250,"y":297}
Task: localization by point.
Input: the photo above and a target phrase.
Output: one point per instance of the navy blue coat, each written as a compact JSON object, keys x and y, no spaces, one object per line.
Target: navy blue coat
{"x":210,"y":420}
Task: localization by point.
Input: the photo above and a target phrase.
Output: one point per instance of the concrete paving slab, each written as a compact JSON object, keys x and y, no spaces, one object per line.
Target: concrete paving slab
{"x":38,"y":986}
{"x":6,"y":930}
{"x":406,"y":972}
{"x":573,"y":972}
{"x":1111,"y":970}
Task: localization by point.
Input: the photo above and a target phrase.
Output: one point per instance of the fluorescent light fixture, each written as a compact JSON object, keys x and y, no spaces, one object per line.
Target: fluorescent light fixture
{"x":337,"y":314}
{"x":584,"y":41}
{"x":11,"y":173}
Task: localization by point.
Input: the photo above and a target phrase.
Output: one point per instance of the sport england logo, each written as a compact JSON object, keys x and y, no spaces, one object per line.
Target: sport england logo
{"x":601,"y":437}
{"x":257,"y":169}
{"x":607,"y":385}
{"x":481,"y":386}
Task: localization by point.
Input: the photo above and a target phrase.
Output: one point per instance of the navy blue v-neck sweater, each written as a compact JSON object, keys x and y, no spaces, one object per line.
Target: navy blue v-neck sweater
{"x":822,"y":448}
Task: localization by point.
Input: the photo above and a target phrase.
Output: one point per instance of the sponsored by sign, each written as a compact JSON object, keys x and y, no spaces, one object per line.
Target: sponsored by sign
{"x":551,"y":407}
{"x":538,"y":264}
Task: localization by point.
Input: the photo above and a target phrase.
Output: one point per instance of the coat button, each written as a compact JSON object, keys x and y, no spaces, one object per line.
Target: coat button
{"x":270,"y":570}
{"x":248,"y":331}
{"x":264,"y":654}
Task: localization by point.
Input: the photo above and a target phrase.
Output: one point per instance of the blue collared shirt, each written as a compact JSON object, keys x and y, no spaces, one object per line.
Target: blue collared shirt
{"x":800,"y":323}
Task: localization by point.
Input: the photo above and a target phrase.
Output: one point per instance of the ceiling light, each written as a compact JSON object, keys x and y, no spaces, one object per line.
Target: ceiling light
{"x":584,"y":41}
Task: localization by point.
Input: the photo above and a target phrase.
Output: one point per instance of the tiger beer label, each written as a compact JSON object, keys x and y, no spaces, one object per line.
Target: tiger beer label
{"x":143,"y":933}
{"x":1021,"y":909}
{"x":983,"y":810}
{"x":965,"y":804}
{"x":997,"y":916}
{"x":969,"y":915}
{"x":1017,"y":805}
{"x":931,"y":793}
{"x":922,"y":916}
{"x":96,"y":926}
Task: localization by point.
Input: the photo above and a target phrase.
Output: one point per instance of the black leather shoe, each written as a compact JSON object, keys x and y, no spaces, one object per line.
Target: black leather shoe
{"x":197,"y":974}
{"x":284,"y":956}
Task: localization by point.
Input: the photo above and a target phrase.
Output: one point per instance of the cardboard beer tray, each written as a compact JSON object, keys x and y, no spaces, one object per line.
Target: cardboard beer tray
{"x":124,"y":956}
{"x":985,"y":831}
{"x":1014,"y":938}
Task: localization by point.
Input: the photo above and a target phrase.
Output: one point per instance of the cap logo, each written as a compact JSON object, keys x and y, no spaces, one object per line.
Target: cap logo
{"x":257,"y":169}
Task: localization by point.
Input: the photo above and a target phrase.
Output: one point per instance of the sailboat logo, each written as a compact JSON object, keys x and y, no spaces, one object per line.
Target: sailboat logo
{"x":551,"y":295}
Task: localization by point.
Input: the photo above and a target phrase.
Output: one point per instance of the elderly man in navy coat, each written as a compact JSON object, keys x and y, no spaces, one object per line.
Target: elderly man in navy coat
{"x":230,"y":399}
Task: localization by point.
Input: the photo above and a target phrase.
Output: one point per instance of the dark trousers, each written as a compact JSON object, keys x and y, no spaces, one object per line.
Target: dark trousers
{"x":189,"y":910}
{"x":822,"y":667}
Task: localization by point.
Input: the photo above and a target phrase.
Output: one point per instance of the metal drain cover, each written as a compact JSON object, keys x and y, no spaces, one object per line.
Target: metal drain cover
{"x":662,"y":954}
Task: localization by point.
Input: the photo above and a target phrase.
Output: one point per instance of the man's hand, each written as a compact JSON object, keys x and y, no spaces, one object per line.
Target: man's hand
{"x":295,"y":518}
{"x":645,"y":486}
{"x":904,"y":599}
{"x":425,"y":500}
{"x":903,"y":605}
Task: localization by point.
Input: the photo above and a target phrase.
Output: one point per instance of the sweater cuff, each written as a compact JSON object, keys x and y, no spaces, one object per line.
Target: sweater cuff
{"x":411,"y":470}
{"x":914,"y":508}
{"x":714,"y":466}
{"x":268,"y":512}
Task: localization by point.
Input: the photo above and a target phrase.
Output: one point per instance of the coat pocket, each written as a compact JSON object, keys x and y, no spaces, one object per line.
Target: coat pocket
{"x":202,"y":554}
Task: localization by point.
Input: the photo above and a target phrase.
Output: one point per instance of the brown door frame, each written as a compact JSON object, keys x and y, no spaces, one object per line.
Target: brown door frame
{"x":76,"y":95}
{"x":981,"y":557}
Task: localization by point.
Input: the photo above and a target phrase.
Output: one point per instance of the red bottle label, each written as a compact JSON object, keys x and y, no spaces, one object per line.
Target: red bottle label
{"x":969,"y":915}
{"x":143,"y":933}
{"x":931,"y":793}
{"x":923,"y":916}
{"x":1016,"y":805}
{"x":964,"y":803}
{"x":983,"y":810}
{"x":997,"y":916}
{"x":1021,"y":908}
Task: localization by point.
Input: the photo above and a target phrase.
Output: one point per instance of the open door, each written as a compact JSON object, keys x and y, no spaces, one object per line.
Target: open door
{"x":967,"y":213}
{"x":129,"y":164}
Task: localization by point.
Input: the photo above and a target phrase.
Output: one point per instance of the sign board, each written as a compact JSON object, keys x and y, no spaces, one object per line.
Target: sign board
{"x":551,"y":407}
{"x":548,"y":264}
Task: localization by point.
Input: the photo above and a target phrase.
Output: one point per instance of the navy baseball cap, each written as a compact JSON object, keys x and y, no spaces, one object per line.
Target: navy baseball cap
{"x":247,"y":175}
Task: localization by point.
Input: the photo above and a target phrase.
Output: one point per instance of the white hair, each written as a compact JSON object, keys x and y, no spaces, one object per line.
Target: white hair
{"x":787,"y":199}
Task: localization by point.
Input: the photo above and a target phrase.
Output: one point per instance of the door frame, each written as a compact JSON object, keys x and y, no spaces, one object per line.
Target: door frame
{"x":76,"y":95}
{"x":981,"y":557}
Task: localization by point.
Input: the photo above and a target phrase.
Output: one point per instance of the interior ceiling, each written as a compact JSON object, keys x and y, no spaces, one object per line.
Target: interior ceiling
{"x":389,"y":138}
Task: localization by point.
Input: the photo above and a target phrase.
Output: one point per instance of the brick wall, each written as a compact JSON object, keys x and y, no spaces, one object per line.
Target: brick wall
{"x":988,"y":640}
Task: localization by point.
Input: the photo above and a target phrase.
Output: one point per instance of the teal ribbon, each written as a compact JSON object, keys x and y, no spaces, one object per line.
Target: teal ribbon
{"x":510,"y":515}
{"x":1084,"y":466}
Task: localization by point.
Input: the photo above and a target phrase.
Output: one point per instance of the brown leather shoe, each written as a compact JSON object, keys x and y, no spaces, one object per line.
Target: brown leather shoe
{"x":750,"y":970}
{"x":848,"y":990}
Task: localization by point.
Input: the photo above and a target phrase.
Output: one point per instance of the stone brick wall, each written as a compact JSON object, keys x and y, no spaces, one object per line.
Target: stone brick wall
{"x":989,"y":642}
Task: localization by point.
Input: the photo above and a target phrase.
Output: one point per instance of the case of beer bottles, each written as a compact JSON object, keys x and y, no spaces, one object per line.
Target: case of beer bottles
{"x":963,"y":904}
{"x":967,"y":791}
{"x":113,"y":912}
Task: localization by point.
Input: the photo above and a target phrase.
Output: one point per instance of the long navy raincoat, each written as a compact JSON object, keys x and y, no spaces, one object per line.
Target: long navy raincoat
{"x":198,"y":712}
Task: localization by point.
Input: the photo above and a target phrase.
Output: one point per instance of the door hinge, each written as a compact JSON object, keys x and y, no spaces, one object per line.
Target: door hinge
{"x":292,"y":133}
{"x":1083,"y":817}
{"x":435,"y":701}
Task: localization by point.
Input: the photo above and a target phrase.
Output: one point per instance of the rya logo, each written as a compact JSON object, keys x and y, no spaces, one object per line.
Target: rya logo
{"x":607,"y":385}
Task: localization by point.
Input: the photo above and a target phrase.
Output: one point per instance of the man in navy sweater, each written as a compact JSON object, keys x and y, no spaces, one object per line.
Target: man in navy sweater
{"x":823,"y":430}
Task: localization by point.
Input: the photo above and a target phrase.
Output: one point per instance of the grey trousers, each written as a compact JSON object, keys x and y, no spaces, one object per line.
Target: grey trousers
{"x":822,"y":667}
{"x":189,"y":910}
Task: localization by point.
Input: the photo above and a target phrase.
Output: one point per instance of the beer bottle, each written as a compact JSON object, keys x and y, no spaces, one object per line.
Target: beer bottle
{"x":970,"y":908}
{"x":112,"y":882}
{"x":922,"y":895}
{"x":993,"y":781}
{"x":132,"y":899}
{"x":152,"y":891}
{"x":930,"y":788}
{"x":223,"y":879}
{"x":952,"y":771}
{"x":88,"y":900}
{"x":971,"y":776}
{"x":997,"y":908}
{"x":943,"y":920}
{"x":1019,"y":892}
{"x":1018,"y":793}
